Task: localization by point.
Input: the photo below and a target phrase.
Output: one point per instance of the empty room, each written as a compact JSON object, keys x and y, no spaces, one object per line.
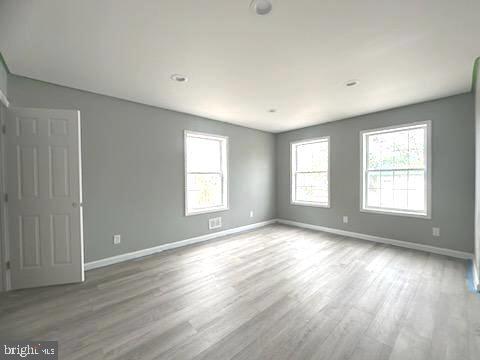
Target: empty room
{"x":240,"y":179}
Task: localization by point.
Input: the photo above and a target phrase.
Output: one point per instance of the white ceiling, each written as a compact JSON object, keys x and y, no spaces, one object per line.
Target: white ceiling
{"x":296,"y":60}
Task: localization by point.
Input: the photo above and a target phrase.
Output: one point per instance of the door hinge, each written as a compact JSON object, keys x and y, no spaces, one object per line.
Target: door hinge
{"x":6,"y":197}
{"x":7,"y":265}
{"x":4,"y":128}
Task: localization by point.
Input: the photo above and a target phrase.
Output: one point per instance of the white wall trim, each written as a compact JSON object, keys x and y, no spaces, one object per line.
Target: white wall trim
{"x":476,"y":279}
{"x":405,"y":244}
{"x":400,"y":243}
{"x":156,"y":249}
{"x":4,"y":245}
{"x":224,"y":156}
{"x":293,"y":171}
{"x":4,"y":99}
{"x":428,"y":170}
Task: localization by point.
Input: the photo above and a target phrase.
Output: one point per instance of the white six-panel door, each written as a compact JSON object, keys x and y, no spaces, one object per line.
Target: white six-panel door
{"x":44,"y":197}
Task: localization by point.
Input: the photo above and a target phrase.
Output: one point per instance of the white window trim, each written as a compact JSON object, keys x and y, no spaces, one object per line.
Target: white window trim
{"x":428,"y":167}
{"x":292,"y":180}
{"x":225,"y":172}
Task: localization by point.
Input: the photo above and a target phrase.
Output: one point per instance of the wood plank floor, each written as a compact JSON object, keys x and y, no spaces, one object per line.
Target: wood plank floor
{"x":275,"y":293}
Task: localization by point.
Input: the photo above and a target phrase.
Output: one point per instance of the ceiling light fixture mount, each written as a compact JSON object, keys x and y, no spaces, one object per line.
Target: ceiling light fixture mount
{"x":261,"y":7}
{"x":179,"y":78}
{"x":272,"y":111}
{"x":352,"y":83}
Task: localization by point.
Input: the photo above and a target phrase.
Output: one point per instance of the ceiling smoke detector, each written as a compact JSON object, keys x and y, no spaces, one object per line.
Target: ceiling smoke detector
{"x":262,"y":7}
{"x":352,"y":83}
{"x":179,"y":78}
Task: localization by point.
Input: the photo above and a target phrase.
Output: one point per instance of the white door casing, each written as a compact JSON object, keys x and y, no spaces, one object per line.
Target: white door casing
{"x":3,"y":245}
{"x":44,"y":197}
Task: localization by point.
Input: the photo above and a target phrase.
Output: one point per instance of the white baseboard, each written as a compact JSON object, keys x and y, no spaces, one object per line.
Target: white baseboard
{"x":404,"y":244}
{"x":144,"y":252}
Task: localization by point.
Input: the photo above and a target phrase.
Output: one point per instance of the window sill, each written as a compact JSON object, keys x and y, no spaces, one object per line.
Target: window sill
{"x":311,"y":204}
{"x":396,"y":213}
{"x":206,"y":211}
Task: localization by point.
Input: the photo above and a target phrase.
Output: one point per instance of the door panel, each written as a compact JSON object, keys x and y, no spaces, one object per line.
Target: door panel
{"x":60,"y":233}
{"x":27,"y":174}
{"x":29,"y":241}
{"x":59,"y":174}
{"x":44,"y":186}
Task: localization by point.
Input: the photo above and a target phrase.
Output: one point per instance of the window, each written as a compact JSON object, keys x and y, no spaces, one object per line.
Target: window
{"x":396,"y":170}
{"x":310,"y":172}
{"x":206,"y":178}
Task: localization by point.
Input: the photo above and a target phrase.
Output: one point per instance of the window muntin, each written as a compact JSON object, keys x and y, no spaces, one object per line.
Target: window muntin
{"x":206,"y":178}
{"x":310,"y":172}
{"x":395,"y":171}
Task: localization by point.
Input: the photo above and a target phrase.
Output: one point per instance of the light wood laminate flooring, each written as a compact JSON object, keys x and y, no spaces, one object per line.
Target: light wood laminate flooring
{"x":277,"y":293}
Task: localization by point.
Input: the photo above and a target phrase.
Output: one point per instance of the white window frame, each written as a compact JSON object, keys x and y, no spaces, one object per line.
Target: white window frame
{"x":293,"y":172}
{"x":428,"y":170}
{"x":224,"y":172}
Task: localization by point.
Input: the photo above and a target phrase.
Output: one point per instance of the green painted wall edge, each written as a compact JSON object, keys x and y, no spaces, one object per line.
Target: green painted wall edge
{"x":4,"y":63}
{"x":475,"y":73}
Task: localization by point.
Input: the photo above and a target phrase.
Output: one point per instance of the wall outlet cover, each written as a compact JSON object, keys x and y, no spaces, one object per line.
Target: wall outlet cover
{"x":345,"y":219}
{"x":251,"y":213}
{"x":117,"y":239}
{"x":436,"y":231}
{"x":215,"y":223}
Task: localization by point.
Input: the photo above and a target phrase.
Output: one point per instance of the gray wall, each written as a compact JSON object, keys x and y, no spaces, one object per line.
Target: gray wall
{"x":133,"y":169}
{"x":452,"y":175}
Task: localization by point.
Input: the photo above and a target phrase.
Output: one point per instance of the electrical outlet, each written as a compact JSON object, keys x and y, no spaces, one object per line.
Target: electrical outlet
{"x":215,"y":223}
{"x":117,"y":239}
{"x":251,"y":213}
{"x":345,"y":219}
{"x":436,"y":231}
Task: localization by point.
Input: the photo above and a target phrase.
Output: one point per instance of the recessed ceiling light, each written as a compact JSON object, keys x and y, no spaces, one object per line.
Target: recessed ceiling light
{"x":179,"y":78}
{"x":262,"y":7}
{"x":352,"y":83}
